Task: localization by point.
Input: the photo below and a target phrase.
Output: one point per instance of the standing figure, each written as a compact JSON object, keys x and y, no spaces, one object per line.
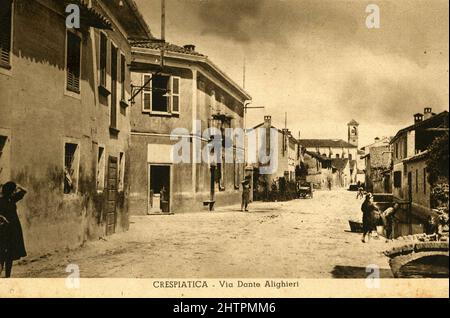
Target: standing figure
{"x":12,"y":246}
{"x":360,"y":194}
{"x":388,"y":217}
{"x":369,"y":217}
{"x":245,"y":193}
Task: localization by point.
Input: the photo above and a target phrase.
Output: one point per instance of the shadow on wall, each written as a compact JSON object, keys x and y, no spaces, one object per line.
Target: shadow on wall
{"x":357,"y":272}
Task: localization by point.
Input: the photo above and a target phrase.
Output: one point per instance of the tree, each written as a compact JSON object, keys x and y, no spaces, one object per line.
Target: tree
{"x":437,"y":162}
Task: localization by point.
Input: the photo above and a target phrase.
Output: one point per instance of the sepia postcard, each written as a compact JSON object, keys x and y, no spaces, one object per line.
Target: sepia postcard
{"x":224,"y":149}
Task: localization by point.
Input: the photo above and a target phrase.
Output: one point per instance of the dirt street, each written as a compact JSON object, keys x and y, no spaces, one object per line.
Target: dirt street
{"x":298,"y":239}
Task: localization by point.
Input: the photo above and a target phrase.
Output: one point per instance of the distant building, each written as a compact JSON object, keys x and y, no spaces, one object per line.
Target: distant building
{"x":378,"y":159}
{"x":409,"y":151}
{"x":287,"y":151}
{"x":335,"y":156}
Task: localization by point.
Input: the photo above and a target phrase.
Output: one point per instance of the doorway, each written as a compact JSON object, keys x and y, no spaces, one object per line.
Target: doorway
{"x":159,"y":189}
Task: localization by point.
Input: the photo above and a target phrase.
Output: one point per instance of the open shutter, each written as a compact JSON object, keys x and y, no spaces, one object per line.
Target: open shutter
{"x":175,"y":96}
{"x":5,"y":32}
{"x":147,"y":93}
{"x":73,"y":62}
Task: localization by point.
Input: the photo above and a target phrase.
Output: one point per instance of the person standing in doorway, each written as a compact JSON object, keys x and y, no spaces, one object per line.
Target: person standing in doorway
{"x":12,"y":246}
{"x":245,"y":193}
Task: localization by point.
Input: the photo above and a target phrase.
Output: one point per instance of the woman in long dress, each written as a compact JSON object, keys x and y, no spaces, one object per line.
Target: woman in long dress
{"x":12,"y":246}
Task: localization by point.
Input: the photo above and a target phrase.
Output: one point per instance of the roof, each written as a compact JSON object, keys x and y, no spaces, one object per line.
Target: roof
{"x":420,"y":156}
{"x":381,"y":142}
{"x":325,"y":143}
{"x":353,"y":123}
{"x":185,"y":54}
{"x":279,"y":130}
{"x":157,"y":45}
{"x":128,"y":16}
{"x":432,"y":121}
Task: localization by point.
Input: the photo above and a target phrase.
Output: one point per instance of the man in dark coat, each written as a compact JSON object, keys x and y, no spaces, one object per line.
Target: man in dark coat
{"x":12,"y":246}
{"x":369,"y":211}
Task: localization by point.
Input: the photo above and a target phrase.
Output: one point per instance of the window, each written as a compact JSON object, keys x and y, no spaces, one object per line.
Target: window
{"x":160,"y":86}
{"x":123,"y":65}
{"x":350,"y":156}
{"x":5,"y":33}
{"x":337,"y":155}
{"x":161,"y":94}
{"x":73,"y":62}
{"x":405,"y":148}
{"x":397,"y":179}
{"x":175,"y":95}
{"x":101,"y":165}
{"x":103,"y":58}
{"x":425,"y":180}
{"x":4,"y":159}
{"x":71,"y":168}
{"x":121,"y":171}
{"x":113,"y":115}
{"x":147,"y":93}
{"x":417,"y":180}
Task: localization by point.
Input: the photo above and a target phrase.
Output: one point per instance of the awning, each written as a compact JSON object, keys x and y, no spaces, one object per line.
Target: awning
{"x":91,"y":17}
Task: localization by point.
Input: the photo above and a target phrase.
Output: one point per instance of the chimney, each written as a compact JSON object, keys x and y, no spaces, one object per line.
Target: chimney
{"x":267,"y":121}
{"x":189,"y":47}
{"x":418,"y":118}
{"x":427,"y":113}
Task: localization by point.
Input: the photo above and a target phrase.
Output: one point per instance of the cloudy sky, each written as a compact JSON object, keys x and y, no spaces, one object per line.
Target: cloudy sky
{"x":317,"y":60}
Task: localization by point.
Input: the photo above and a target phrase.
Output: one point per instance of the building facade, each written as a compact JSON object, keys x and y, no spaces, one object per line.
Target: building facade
{"x":176,"y":103}
{"x":64,"y":119}
{"x":285,"y":154}
{"x":409,"y":171}
{"x":378,"y":160}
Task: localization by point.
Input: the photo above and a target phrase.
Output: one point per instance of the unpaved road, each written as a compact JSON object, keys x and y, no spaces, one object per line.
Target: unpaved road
{"x":298,"y":239}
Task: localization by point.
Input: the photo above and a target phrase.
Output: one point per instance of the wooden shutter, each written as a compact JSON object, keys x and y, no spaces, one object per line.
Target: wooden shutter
{"x":147,"y":93}
{"x":73,"y":62}
{"x":123,"y":65}
{"x":175,"y":96}
{"x":103,"y":58}
{"x":5,"y":32}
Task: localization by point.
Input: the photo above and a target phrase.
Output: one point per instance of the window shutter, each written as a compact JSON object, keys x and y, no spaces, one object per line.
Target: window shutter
{"x":103,"y":58}
{"x":73,"y":62}
{"x":146,"y":93}
{"x":175,"y":96}
{"x":5,"y":31}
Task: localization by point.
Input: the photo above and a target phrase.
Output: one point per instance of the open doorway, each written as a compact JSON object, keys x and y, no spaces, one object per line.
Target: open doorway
{"x":159,"y":189}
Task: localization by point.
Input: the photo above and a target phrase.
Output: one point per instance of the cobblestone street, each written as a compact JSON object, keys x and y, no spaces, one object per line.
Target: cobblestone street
{"x":298,"y":239}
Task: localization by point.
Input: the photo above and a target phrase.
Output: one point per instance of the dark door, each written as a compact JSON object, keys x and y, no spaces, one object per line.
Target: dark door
{"x":410,"y":186}
{"x":160,"y":188}
{"x":111,"y":216}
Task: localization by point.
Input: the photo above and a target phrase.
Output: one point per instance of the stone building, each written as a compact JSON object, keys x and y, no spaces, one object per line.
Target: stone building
{"x":409,"y":152}
{"x":378,"y":159}
{"x":64,"y":117}
{"x":177,"y":103}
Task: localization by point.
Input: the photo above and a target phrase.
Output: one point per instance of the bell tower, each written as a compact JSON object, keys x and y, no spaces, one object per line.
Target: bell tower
{"x":353,"y":132}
